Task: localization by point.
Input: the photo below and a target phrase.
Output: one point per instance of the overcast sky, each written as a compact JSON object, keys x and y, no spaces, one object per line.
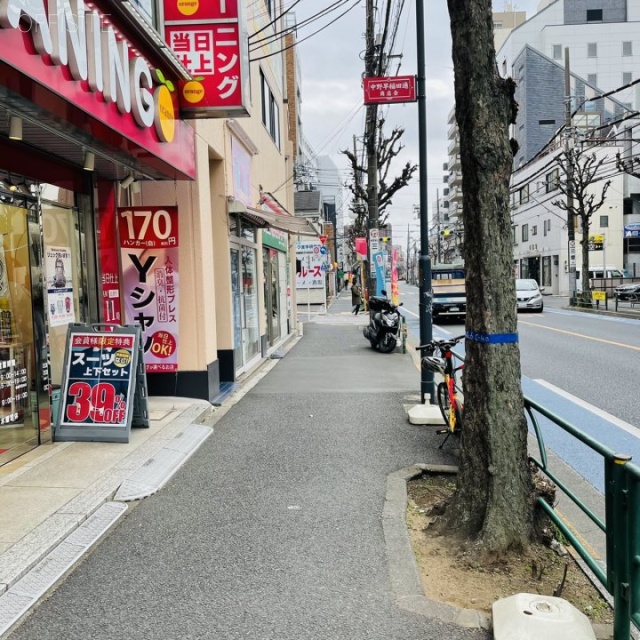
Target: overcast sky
{"x":332,"y":96}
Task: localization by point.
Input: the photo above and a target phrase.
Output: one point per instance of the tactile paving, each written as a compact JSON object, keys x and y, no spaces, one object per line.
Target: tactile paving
{"x":15,"y":602}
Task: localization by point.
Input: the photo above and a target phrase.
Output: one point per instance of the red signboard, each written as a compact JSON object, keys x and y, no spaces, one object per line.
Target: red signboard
{"x":390,"y":89}
{"x":209,"y":39}
{"x":98,"y":70}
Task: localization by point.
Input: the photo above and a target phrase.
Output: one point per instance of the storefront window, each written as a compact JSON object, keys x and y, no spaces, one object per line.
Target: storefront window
{"x":65,"y":288}
{"x":18,"y":361}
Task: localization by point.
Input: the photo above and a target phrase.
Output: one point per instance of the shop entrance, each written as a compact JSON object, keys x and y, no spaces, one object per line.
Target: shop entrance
{"x":42,"y":289}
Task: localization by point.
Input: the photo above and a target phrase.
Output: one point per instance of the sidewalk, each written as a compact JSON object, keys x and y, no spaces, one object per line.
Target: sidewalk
{"x":317,"y":450}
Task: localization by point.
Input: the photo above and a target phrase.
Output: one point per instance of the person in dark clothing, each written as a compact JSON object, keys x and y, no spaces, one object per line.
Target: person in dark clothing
{"x":356,"y":298}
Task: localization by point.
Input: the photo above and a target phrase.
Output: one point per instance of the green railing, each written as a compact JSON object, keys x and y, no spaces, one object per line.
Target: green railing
{"x":622,"y":520}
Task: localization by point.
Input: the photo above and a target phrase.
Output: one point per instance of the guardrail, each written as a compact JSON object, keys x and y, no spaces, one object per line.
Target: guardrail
{"x":632,"y":301}
{"x":622,"y":520}
{"x":621,"y":576}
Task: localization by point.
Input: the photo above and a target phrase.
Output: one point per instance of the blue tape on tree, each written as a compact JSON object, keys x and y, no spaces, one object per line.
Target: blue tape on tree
{"x":492,"y":338}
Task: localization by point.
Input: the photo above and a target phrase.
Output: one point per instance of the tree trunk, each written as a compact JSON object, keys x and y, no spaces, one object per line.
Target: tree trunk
{"x":493,"y":501}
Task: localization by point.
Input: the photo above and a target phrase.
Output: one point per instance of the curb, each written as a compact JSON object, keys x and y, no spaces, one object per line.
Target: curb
{"x":405,"y":579}
{"x":403,"y":569}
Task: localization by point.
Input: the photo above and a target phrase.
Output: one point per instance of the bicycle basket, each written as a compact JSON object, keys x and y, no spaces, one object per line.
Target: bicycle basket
{"x":433,"y":363}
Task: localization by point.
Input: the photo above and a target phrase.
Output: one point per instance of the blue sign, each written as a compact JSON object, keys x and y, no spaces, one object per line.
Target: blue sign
{"x":378,"y":261}
{"x":632,"y":230}
{"x":323,"y":251}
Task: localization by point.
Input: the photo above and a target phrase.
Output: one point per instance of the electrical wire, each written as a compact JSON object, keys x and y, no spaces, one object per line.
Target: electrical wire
{"x":298,"y":42}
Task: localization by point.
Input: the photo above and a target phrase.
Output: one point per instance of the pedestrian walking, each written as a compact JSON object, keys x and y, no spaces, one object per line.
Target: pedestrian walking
{"x":356,"y":298}
{"x":346,"y":282}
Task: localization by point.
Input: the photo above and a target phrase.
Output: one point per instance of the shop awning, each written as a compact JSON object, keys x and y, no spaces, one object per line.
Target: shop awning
{"x":291,"y":224}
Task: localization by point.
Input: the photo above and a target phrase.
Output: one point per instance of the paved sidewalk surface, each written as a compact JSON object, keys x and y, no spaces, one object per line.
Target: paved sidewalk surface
{"x":277,"y":515}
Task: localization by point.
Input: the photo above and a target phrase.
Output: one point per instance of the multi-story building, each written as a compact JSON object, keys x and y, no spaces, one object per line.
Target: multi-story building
{"x":602,"y":46}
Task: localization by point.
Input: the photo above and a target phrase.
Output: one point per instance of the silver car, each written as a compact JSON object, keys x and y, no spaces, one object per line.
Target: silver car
{"x":529,"y":296}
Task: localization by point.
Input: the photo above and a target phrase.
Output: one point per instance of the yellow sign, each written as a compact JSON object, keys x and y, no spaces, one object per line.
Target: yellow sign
{"x":599,"y":295}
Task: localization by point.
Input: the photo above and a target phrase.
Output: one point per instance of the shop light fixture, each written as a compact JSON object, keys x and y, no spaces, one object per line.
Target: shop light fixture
{"x":89,"y":161}
{"x":127,"y":181}
{"x":15,"y":128}
{"x":136,"y":186}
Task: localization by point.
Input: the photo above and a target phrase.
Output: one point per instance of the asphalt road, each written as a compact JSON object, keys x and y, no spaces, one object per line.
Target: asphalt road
{"x":273,"y":529}
{"x":584,"y":367}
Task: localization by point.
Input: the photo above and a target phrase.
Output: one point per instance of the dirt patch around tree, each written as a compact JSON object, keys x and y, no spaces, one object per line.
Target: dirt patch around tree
{"x":449,"y":575}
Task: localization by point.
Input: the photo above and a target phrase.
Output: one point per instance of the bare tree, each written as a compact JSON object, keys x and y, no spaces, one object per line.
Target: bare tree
{"x":388,"y":149}
{"x":492,"y":508}
{"x":580,"y":171}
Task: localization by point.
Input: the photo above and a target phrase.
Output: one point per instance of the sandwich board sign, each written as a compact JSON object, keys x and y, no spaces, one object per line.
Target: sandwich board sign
{"x":104,"y":384}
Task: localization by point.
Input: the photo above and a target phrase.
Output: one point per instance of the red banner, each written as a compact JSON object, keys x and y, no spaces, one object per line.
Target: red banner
{"x":209,"y":40}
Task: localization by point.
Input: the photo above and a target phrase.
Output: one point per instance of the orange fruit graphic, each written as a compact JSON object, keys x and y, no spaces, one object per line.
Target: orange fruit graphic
{"x":188,"y":7}
{"x":193,"y":91}
{"x":166,"y":117}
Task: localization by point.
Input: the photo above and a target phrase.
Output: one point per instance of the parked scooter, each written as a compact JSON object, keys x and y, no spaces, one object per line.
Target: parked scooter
{"x":384,"y":323}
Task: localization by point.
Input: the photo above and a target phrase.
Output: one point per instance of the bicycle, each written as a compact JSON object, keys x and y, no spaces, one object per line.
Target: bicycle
{"x":449,"y":392}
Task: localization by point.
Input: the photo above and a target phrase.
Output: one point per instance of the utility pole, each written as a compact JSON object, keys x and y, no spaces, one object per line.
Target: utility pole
{"x":571,"y":226}
{"x":426,"y":300}
{"x":371,"y":58}
{"x":439,"y":240}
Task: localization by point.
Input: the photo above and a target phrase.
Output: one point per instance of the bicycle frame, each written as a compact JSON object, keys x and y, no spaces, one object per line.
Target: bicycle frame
{"x":450,"y":382}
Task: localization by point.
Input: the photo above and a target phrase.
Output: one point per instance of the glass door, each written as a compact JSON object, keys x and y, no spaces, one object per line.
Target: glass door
{"x":18,"y":361}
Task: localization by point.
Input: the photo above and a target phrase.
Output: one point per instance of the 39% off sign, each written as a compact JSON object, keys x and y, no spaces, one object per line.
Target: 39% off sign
{"x":100,"y":382}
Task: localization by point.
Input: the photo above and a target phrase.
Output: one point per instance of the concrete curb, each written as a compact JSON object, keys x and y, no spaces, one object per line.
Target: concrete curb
{"x":403,"y":569}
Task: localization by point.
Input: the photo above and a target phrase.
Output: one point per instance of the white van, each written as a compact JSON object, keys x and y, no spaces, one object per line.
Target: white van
{"x":597,"y":271}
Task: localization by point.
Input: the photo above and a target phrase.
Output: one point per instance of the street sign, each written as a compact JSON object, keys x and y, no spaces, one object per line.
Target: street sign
{"x":323,"y":239}
{"x":390,"y":89}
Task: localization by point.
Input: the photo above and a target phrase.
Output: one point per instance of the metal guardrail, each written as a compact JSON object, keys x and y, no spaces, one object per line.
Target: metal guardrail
{"x":621,"y":527}
{"x":622,"y":520}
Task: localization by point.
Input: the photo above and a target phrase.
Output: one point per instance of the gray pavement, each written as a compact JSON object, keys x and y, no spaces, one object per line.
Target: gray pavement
{"x":273,"y":528}
{"x":285,"y":521}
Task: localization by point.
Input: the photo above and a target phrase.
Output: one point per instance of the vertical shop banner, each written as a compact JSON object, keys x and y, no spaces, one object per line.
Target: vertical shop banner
{"x":211,"y":41}
{"x":395,"y":291}
{"x":378,"y":261}
{"x":150,"y":286}
{"x":57,"y":263}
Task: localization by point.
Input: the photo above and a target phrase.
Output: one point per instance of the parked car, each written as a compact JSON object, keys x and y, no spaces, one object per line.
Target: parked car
{"x":628,"y":291}
{"x":529,"y":295}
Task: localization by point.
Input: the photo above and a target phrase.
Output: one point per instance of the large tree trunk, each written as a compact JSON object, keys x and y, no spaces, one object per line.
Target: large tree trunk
{"x":493,"y":501}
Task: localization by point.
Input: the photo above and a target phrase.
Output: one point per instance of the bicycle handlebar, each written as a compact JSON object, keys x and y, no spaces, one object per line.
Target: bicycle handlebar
{"x":441,"y":343}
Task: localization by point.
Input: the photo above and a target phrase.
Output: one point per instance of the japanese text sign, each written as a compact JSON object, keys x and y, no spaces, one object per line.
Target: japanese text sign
{"x":312,"y":260}
{"x":100,"y":379}
{"x":390,"y":89}
{"x":210,"y":40}
{"x":149,"y":257}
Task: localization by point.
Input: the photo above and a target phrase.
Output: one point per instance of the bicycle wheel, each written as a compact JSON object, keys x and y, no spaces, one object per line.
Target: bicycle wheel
{"x":443,"y":401}
{"x":458,"y":428}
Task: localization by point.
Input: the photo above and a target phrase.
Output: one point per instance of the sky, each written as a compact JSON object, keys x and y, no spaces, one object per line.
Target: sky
{"x":332,"y":97}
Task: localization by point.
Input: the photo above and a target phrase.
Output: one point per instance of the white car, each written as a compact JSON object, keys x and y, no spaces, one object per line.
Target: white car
{"x":529,"y":296}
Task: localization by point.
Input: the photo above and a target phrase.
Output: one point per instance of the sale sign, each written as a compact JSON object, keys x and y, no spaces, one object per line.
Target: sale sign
{"x":150,"y":285}
{"x":103,"y":385}
{"x":210,"y":40}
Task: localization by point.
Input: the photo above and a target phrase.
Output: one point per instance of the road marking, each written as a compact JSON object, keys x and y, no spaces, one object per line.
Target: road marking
{"x":581,"y":335}
{"x":413,"y":313}
{"x":621,"y":424}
